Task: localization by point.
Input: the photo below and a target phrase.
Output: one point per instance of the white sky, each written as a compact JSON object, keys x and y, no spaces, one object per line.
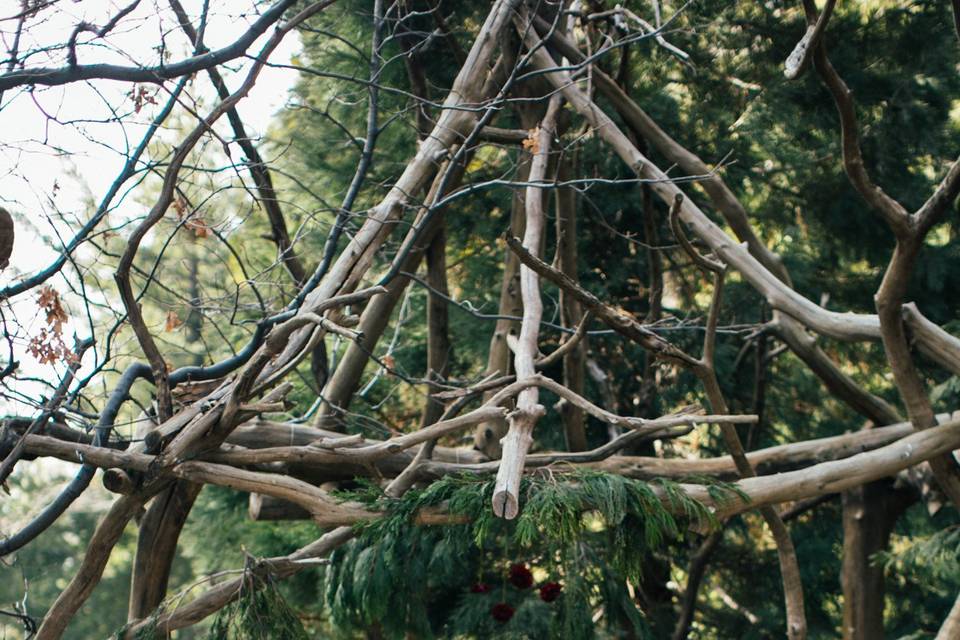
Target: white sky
{"x":53,"y":136}
{"x":29,"y":168}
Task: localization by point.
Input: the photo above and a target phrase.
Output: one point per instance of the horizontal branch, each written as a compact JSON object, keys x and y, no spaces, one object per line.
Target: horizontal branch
{"x":839,"y":475}
{"x":819,"y":479}
{"x":72,"y":73}
{"x":260,"y":442}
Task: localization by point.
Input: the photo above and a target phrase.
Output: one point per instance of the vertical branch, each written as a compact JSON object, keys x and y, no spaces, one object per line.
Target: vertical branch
{"x":439,"y":349}
{"x":574,"y":361}
{"x":706,"y":372}
{"x":487,"y":434}
{"x":523,"y":419}
{"x":157,"y":546}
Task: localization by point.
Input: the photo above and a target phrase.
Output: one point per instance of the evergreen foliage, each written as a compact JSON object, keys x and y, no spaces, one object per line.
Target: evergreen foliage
{"x":937,"y":555}
{"x":259,"y":612}
{"x":592,"y":531}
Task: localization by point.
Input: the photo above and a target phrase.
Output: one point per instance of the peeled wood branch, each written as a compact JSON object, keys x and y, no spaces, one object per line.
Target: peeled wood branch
{"x":820,"y":479}
{"x":689,"y":416}
{"x":847,"y":326}
{"x":764,"y":461}
{"x":698,"y":258}
{"x":523,"y":419}
{"x":269,"y":443}
{"x":326,"y":511}
{"x":339,"y":389}
{"x":487,"y":436}
{"x":452,"y":126}
{"x":436,"y":430}
{"x":801,"y":53}
{"x":932,"y":340}
{"x":721,"y":195}
{"x":839,"y":475}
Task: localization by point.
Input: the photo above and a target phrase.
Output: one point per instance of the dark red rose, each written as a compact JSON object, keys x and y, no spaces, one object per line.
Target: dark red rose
{"x":520,"y":576}
{"x":550,"y":591}
{"x":501,"y":612}
{"x":480,"y":587}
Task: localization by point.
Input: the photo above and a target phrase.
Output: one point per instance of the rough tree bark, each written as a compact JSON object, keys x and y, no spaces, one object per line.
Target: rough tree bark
{"x":574,"y":362}
{"x":869,"y":514}
{"x":439,"y":347}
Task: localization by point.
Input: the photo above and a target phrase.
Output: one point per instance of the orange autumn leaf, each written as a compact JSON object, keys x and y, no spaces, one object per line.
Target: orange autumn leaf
{"x":198,"y":226}
{"x":173,"y":321}
{"x":49,"y":301}
{"x":532,"y":142}
{"x":180,"y":206}
{"x":48,"y":348}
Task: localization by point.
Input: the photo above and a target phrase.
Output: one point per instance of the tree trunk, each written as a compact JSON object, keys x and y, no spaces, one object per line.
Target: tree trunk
{"x":574,"y":420}
{"x":869,"y":513}
{"x":160,"y":530}
{"x":439,"y":349}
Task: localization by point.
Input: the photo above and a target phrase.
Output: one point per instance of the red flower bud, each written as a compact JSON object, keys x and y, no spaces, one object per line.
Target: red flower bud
{"x":550,"y":591}
{"x":480,"y":587}
{"x":501,"y":612}
{"x":520,"y":576}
